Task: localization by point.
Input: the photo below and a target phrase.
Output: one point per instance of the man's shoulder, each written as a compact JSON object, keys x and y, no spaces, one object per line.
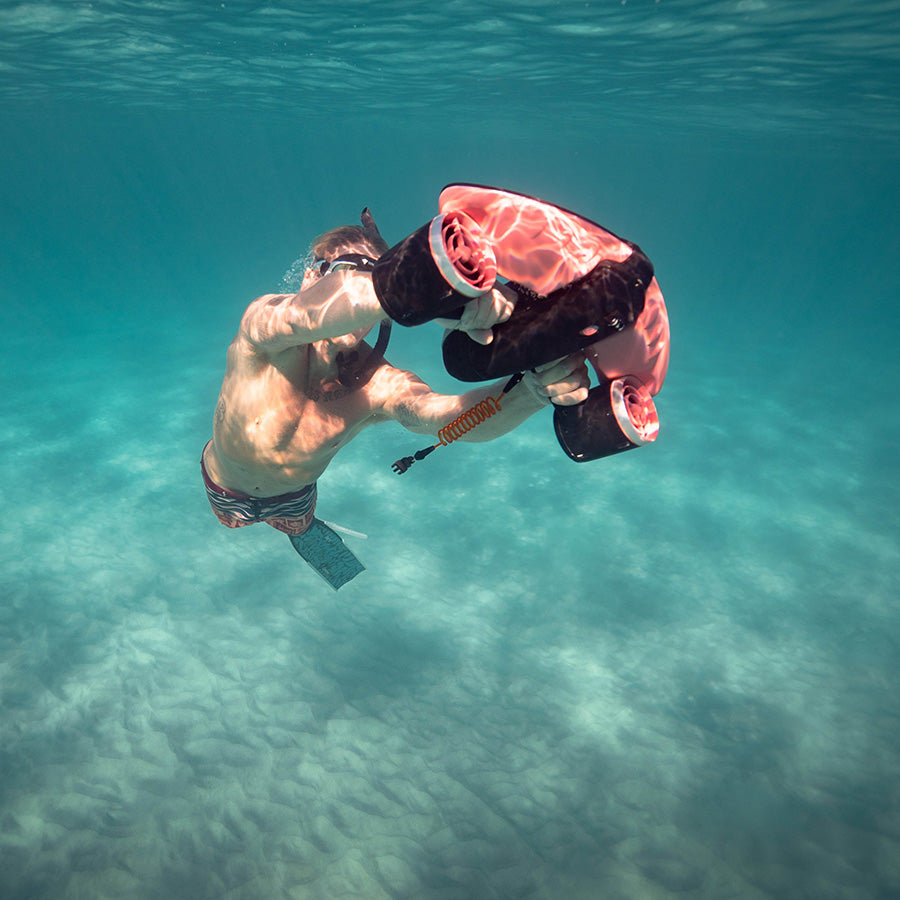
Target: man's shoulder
{"x":244,"y":352}
{"x":260,"y":319}
{"x":265,"y":304}
{"x":263,"y":316}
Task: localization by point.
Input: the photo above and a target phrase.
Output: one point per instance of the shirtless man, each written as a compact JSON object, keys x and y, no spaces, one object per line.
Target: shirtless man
{"x":287,"y":405}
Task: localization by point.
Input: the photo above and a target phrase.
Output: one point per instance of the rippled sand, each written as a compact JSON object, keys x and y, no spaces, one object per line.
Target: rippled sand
{"x":629,"y":679}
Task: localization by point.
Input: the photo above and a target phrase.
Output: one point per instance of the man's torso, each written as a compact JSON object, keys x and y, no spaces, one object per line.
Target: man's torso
{"x":277,"y":425}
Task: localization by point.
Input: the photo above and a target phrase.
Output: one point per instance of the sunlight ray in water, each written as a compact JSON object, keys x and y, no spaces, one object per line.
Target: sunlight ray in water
{"x":834,"y":65}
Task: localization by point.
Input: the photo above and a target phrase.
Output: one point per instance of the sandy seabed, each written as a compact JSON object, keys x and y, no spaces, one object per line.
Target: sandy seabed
{"x":648,"y":677}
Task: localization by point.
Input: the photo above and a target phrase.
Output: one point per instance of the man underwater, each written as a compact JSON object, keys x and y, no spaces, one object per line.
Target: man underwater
{"x":301,"y":382}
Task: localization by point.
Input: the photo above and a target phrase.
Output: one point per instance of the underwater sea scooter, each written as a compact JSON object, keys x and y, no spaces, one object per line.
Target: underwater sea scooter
{"x":579,"y":286}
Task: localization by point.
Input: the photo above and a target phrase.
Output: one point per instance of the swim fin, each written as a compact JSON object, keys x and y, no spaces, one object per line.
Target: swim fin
{"x":326,"y":552}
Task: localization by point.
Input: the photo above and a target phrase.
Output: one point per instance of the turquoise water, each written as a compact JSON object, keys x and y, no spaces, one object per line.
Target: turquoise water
{"x":669,"y":673}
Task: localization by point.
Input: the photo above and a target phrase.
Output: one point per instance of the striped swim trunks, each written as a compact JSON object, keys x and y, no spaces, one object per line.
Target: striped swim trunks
{"x":291,"y":513}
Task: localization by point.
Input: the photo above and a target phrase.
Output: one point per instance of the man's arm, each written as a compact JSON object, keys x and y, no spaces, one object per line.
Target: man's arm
{"x":416,"y":407}
{"x":334,"y":305}
{"x":342,"y":302}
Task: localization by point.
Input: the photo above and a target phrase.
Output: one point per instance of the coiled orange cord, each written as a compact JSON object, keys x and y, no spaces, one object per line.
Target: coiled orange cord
{"x":470,"y":419}
{"x":462,"y":424}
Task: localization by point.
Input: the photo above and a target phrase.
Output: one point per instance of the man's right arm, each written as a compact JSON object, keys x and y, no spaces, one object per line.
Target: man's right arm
{"x":334,"y":305}
{"x":342,"y":302}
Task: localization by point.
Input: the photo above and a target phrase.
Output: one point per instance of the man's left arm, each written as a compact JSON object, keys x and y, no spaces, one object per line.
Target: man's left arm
{"x":415,"y":406}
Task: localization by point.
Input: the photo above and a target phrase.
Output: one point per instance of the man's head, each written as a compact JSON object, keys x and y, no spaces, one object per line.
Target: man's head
{"x":363,"y":238}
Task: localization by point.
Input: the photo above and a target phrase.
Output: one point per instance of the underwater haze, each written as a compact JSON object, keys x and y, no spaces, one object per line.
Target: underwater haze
{"x":669,"y":673}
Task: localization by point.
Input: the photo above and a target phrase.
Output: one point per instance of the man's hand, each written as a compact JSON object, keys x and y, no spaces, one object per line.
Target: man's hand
{"x":483,"y":312}
{"x":564,"y":382}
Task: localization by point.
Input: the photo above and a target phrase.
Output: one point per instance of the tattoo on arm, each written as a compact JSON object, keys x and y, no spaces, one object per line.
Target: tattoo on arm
{"x":220,"y":412}
{"x":405,"y":415}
